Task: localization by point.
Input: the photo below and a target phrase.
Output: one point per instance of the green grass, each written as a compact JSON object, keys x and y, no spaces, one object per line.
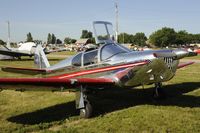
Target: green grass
{"x":61,"y":55}
{"x":116,"y":110}
{"x":194,"y":57}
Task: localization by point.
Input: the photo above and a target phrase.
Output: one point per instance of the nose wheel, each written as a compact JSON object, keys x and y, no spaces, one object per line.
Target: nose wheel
{"x":158,"y":92}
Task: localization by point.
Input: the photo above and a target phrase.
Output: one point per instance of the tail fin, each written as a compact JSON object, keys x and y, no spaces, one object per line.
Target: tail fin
{"x":40,"y":59}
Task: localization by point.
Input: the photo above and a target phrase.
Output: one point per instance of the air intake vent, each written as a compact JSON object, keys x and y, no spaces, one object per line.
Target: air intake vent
{"x":169,"y":62}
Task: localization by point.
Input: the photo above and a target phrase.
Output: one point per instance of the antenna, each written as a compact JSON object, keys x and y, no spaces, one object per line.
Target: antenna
{"x":8,"y":42}
{"x":116,"y":19}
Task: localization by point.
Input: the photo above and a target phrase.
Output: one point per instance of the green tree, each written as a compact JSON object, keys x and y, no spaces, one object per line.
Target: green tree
{"x":139,"y":39}
{"x":67,"y":40}
{"x":92,"y":40}
{"x":38,"y":41}
{"x":86,"y":34}
{"x":58,"y":41}
{"x":125,"y":38}
{"x":49,"y":39}
{"x":121,"y":38}
{"x":182,"y":37}
{"x":2,"y":42}
{"x":53,"y":39}
{"x":29,"y":37}
{"x":73,"y":40}
{"x":163,"y":37}
{"x":195,"y":38}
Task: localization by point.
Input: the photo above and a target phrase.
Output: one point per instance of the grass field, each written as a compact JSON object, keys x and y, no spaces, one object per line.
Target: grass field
{"x":116,"y":110}
{"x":194,"y":57}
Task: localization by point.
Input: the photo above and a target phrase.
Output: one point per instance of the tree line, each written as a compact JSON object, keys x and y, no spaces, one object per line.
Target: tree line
{"x":52,"y":39}
{"x":160,"y":38}
{"x":137,"y":39}
{"x":169,"y":37}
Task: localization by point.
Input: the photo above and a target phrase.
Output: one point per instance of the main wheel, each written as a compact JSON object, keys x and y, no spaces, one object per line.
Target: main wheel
{"x":86,"y":112}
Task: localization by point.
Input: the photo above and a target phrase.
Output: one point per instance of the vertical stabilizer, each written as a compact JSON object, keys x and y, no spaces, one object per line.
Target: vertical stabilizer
{"x":40,"y":58}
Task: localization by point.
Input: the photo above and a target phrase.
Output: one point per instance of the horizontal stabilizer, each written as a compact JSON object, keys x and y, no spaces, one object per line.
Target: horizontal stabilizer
{"x":28,"y":71}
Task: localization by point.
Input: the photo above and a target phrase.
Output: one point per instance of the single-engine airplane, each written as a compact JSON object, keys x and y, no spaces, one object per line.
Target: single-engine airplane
{"x":25,"y":49}
{"x":110,"y":64}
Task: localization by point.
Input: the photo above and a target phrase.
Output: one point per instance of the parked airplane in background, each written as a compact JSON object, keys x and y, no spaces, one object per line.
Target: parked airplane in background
{"x":197,"y":51}
{"x":108,"y":65}
{"x":25,"y":49}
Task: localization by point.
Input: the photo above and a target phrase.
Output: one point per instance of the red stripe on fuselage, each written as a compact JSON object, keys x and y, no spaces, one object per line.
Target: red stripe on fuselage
{"x":98,"y":70}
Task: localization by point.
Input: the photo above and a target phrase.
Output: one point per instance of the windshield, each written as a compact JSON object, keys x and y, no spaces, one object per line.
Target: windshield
{"x":110,"y":50}
{"x":103,"y":32}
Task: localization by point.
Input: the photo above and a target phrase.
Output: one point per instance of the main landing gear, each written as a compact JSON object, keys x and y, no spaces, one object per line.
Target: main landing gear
{"x":86,"y":112}
{"x":19,"y":58}
{"x":158,"y":92}
{"x":85,"y":107}
{"x":83,"y":104}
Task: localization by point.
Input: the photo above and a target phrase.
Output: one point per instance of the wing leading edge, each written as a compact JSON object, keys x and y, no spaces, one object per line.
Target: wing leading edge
{"x":181,"y":65}
{"x":49,"y":83}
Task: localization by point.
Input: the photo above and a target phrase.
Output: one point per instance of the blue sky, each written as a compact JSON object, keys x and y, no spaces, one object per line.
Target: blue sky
{"x":69,"y":17}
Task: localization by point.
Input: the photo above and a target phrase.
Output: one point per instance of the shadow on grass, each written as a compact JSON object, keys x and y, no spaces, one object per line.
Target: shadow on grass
{"x":115,"y":99}
{"x":49,"y":114}
{"x":131,"y":97}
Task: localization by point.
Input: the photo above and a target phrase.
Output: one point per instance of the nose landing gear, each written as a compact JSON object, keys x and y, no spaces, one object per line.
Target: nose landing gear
{"x":158,"y":92}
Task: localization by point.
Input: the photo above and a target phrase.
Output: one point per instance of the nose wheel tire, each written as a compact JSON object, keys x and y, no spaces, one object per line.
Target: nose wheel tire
{"x":86,"y":112}
{"x":159,"y":92}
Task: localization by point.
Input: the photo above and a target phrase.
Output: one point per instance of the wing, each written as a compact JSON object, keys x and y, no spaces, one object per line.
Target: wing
{"x":14,"y":53}
{"x":181,"y":65}
{"x":70,"y":80}
{"x":40,"y":84}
